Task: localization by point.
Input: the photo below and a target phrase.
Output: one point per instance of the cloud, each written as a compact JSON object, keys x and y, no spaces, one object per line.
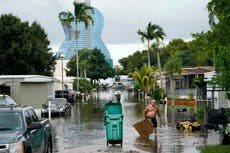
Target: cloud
{"x":118,"y":51}
{"x":122,"y":18}
{"x":177,"y":18}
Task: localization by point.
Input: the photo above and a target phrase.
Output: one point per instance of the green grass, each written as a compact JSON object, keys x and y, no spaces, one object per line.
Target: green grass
{"x":215,"y":149}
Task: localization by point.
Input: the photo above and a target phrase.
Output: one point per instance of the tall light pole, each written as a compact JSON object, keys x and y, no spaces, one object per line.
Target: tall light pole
{"x":62,"y":80}
{"x":77,"y":62}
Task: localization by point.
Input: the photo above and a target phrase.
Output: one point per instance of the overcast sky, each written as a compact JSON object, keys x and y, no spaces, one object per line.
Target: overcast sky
{"x":122,"y":19}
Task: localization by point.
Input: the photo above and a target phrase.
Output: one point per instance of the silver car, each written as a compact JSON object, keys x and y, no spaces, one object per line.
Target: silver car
{"x":58,"y":106}
{"x":6,"y":100}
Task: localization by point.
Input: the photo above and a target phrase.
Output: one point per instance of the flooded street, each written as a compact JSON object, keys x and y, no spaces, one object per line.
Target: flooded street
{"x":84,"y":131}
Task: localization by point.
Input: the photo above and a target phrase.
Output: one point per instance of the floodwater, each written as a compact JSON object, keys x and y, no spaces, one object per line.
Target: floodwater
{"x":83,"y":131}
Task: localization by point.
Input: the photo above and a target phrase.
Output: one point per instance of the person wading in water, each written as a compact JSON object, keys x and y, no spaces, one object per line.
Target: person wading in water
{"x":150,"y":112}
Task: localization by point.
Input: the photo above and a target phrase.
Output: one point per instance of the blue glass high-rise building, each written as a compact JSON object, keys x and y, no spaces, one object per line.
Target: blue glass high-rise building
{"x":89,"y":38}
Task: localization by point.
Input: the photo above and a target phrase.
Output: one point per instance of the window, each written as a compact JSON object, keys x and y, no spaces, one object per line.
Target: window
{"x":10,"y":120}
{"x":28,"y":118}
{"x":33,"y":115}
{"x":6,"y":100}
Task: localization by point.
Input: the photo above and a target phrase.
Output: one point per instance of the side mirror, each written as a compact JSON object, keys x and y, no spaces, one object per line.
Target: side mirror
{"x":34,"y":126}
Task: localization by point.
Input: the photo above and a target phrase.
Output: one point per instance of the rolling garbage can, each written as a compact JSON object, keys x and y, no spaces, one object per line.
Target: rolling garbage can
{"x":114,"y":123}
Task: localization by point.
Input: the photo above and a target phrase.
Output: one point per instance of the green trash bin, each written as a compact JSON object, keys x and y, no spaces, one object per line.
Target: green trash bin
{"x":113,"y":123}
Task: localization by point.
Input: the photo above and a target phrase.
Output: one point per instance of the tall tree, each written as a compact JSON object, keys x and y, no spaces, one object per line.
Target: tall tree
{"x":220,"y":10}
{"x":136,"y":60}
{"x":203,"y":45}
{"x":223,"y":69}
{"x":93,"y":62}
{"x":155,"y":47}
{"x":82,"y":13}
{"x":99,"y":68}
{"x":153,"y":32}
{"x":24,"y":48}
{"x":84,"y":55}
{"x":66,"y":18}
{"x":173,"y":66}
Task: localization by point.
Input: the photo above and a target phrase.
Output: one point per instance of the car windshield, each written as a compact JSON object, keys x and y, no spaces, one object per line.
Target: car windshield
{"x":10,"y":121}
{"x":57,"y":101}
{"x":6,"y":100}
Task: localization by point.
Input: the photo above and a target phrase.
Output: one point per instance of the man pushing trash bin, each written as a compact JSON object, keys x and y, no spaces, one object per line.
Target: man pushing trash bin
{"x":150,"y":112}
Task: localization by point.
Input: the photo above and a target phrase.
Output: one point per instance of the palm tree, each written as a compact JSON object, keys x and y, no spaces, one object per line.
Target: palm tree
{"x":82,"y":13}
{"x":173,"y":66}
{"x":144,"y":78}
{"x":153,"y":32}
{"x":155,"y":48}
{"x":66,"y":18}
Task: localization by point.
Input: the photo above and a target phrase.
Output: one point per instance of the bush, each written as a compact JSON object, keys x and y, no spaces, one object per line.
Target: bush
{"x":157,"y":93}
{"x":84,"y":86}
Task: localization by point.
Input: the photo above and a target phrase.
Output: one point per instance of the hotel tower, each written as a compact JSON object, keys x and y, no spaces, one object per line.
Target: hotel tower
{"x":89,"y":38}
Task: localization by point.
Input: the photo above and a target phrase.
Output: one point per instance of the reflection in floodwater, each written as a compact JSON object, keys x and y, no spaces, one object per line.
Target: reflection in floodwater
{"x":148,"y":144}
{"x":84,"y":129}
{"x":84,"y":125}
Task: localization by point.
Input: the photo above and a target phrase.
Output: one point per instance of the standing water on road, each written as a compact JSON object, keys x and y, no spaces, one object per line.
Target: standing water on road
{"x":84,"y":130}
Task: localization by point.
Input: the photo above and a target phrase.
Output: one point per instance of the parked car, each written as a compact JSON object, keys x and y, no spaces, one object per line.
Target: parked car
{"x":21,"y":131}
{"x":6,"y":100}
{"x":58,"y":106}
{"x":69,"y":95}
{"x":104,"y":86}
{"x":118,"y":86}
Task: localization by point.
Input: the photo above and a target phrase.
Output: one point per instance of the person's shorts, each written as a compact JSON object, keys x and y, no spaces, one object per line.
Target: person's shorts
{"x":154,"y":121}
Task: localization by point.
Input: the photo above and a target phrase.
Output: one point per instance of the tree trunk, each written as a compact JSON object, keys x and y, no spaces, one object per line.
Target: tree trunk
{"x":148,"y":56}
{"x":159,"y":67}
{"x":172,"y":89}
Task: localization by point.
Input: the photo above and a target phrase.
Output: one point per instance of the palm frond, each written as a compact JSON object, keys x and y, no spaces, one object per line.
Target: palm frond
{"x":83,"y":13}
{"x":66,"y":18}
